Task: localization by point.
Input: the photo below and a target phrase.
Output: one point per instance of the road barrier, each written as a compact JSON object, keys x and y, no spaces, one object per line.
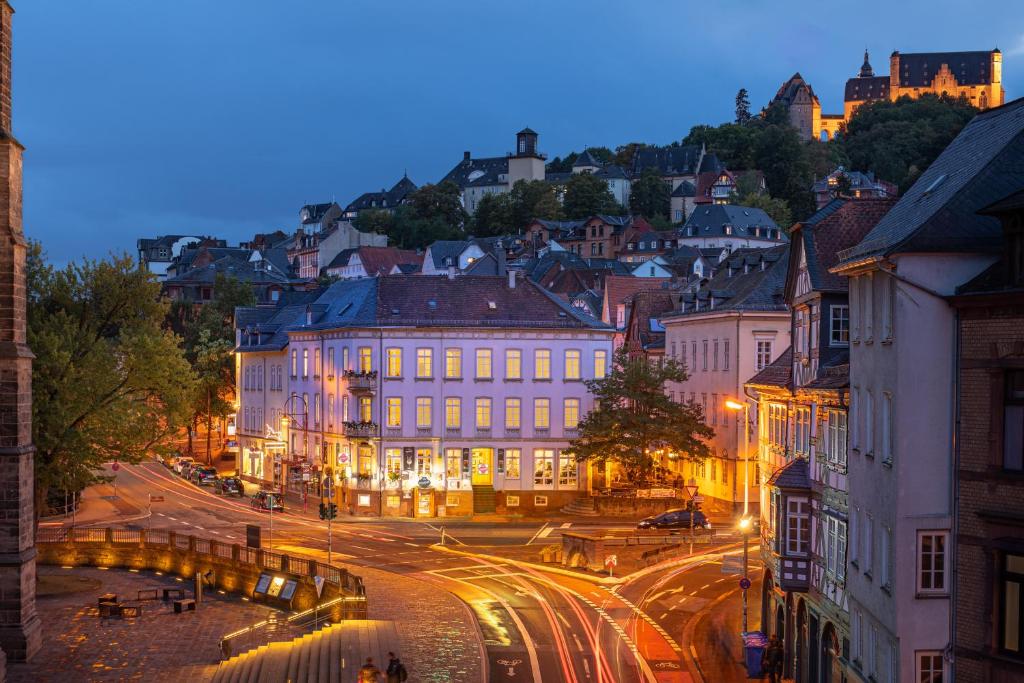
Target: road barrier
{"x":232,"y":567}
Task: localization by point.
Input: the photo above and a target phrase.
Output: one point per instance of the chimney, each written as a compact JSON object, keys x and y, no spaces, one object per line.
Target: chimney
{"x":451,"y":272}
{"x":6,"y":16}
{"x":309,"y":315}
{"x":466,"y":157}
{"x":511,"y":279}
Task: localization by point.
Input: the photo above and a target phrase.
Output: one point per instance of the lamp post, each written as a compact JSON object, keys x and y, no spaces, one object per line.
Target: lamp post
{"x":745,"y":522}
{"x":745,"y":529}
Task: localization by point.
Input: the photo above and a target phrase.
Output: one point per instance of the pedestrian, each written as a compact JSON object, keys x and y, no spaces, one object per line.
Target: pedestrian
{"x":368,"y":673}
{"x":772,"y":660}
{"x":396,"y":670}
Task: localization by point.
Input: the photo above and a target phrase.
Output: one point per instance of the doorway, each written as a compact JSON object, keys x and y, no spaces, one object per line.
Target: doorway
{"x":482,"y":466}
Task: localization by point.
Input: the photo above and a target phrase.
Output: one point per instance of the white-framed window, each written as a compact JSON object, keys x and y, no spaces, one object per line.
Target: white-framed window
{"x":542,"y":501}
{"x":394,"y":362}
{"x":930,"y":667}
{"x":453,"y":463}
{"x":542,"y":364}
{"x":541,"y":413}
{"x":424,"y":363}
{"x":365,"y":359}
{"x":330,"y":411}
{"x":393,"y":460}
{"x":483,"y":413}
{"x":316,"y":408}
{"x":693,"y":355}
{"x":714,"y":410}
{"x":330,"y":361}
{"x":867,"y":306}
{"x":317,"y":367}
{"x":931,"y":561}
{"x":777,"y":417}
{"x":453,"y":412}
{"x":513,"y":413}
{"x":571,"y":413}
{"x":394,"y":405}
{"x":868,"y":536}
{"x":511,"y":501}
{"x":424,"y":412}
{"x":725,"y":354}
{"x":714,"y":356}
{"x":856,"y":635}
{"x":802,"y":430}
{"x":869,"y":422}
{"x":835,"y":548}
{"x":839,"y":326}
{"x":543,"y":467}
{"x":513,"y":364}
{"x":483,"y":364}
{"x":513,"y":463}
{"x":832,"y":441}
{"x":704,"y":362}
{"x":572,"y":364}
{"x":764,"y":353}
{"x":888,"y":305}
{"x":798,"y":528}
{"x":567,"y":471}
{"x":600,"y":364}
{"x":885,"y":557}
{"x":453,"y":363}
{"x":305,"y":363}
{"x":424,"y":459}
{"x":344,"y":358}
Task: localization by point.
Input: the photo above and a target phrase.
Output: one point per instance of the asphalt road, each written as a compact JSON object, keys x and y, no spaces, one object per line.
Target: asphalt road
{"x":537,"y":626}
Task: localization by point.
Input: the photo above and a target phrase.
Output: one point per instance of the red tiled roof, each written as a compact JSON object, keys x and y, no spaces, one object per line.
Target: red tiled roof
{"x":840,"y":230}
{"x":380,"y":260}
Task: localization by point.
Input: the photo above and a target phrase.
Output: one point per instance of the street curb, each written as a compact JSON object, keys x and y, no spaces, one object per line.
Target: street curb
{"x":695,"y":669}
{"x":606,"y":581}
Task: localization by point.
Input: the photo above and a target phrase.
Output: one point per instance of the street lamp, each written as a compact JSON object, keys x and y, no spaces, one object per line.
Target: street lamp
{"x":745,"y":523}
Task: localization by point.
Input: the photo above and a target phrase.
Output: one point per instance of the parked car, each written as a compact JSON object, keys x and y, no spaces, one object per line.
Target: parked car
{"x":266,"y":500}
{"x":203,"y":475}
{"x":186,"y":469}
{"x":179,"y":463}
{"x":229,"y":486}
{"x":677,"y":519}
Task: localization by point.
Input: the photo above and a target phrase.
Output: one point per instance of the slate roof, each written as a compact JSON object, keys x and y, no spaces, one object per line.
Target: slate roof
{"x":862,"y":89}
{"x":710,"y":164}
{"x":788,"y":91}
{"x":709,"y":220}
{"x":489,"y":169}
{"x":858,"y":181}
{"x":668,"y":161}
{"x":646,"y":306}
{"x":685,"y":189}
{"x":316,"y":212}
{"x":834,"y":376}
{"x":793,"y":475}
{"x":442,"y":250}
{"x":997,"y":278}
{"x":272,"y":323}
{"x":761,"y":288}
{"x":239,"y":268}
{"x":778,"y":373}
{"x":917,"y":70}
{"x":939,"y":212}
{"x":586,"y":159}
{"x":385,"y":199}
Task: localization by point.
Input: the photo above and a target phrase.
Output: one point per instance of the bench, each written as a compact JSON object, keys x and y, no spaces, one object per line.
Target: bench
{"x":133,"y":611}
{"x":179,"y":593}
{"x":107,"y":597}
{"x":148,"y":593}
{"x":184,"y":604}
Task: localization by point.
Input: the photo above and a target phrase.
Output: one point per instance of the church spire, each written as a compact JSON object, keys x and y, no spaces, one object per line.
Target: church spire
{"x":865,"y":69}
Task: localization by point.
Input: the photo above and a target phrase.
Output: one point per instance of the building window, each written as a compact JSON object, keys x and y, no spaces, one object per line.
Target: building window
{"x":764,"y":353}
{"x":483,"y":364}
{"x":931,"y":561}
{"x":930,"y":668}
{"x":798,"y":530}
{"x":855,"y":635}
{"x":869,"y":422}
{"x":424,"y":363}
{"x":835,"y":548}
{"x":868,"y":536}
{"x":364,"y":460}
{"x":542,"y":364}
{"x":834,"y":441}
{"x":317,"y":367}
{"x":483,"y":413}
{"x":513,"y":463}
{"x":513,"y":407}
{"x":839,"y":328}
{"x":365,"y":409}
{"x":888,"y":304}
{"x":714,"y":410}
{"x":513,"y":364}
{"x":567,"y":471}
{"x":330,"y":362}
{"x":424,"y":412}
{"x":1009,"y":595}
{"x":541,"y":413}
{"x":725,"y":354}
{"x":600,"y":364}
{"x":715,"y":356}
{"x":393,"y":460}
{"x":802,"y":430}
{"x":394,"y":365}
{"x":704,"y":365}
{"x":365,"y":359}
{"x":693,"y":355}
{"x":453,"y":413}
{"x":305,"y":363}
{"x":571,"y":410}
{"x":1013,"y":422}
{"x":887,"y":427}
{"x":543,"y":467}
{"x":424,"y":456}
{"x":330,"y":411}
{"x":884,"y":568}
{"x":394,"y":412}
{"x":453,"y":363}
{"x":453,"y":463}
{"x":572,"y":364}
{"x":867,"y":306}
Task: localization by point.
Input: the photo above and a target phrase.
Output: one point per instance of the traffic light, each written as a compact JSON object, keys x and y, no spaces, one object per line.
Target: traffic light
{"x":332,"y":510}
{"x":323,"y":511}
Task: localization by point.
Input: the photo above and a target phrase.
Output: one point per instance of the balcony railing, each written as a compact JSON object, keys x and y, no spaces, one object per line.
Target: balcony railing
{"x":361,"y":381}
{"x":359,"y":430}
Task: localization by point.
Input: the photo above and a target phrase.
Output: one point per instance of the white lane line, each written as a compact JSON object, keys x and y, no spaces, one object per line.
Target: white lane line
{"x":412,"y":544}
{"x":663,"y":615}
{"x":579,"y":645}
{"x":228,"y":536}
{"x":693,"y":593}
{"x":561,"y":618}
{"x":161,"y":514}
{"x":369,"y":550}
{"x":706,"y":585}
{"x":534,"y":538}
{"x":173,"y":519}
{"x":566,"y":525}
{"x":721,"y":579}
{"x":586,"y":667}
{"x":214,"y":532}
{"x":199,"y":527}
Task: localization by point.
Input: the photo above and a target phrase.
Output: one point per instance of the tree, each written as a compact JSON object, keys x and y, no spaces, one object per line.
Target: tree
{"x":110,"y":381}
{"x":742,"y":107}
{"x":650,"y":196}
{"x":633,"y":418}
{"x":510,"y":212}
{"x":732,"y":143}
{"x":777,"y":209}
{"x":380,"y":221}
{"x":587,"y":195}
{"x":440,"y":202}
{"x":780,"y":155}
{"x":495,"y":215}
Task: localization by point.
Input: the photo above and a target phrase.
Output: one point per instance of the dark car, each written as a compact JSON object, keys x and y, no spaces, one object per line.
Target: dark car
{"x":678,"y":519}
{"x":202,"y":475}
{"x":229,"y":486}
{"x":266,"y":500}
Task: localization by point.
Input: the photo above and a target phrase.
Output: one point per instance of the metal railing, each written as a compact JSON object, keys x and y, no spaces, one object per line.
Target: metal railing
{"x":273,"y":628}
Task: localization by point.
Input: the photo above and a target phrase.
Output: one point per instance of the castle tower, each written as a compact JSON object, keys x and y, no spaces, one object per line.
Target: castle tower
{"x":865,"y":69}
{"x":996,"y":69}
{"x":526,"y":163}
{"x":19,"y":622}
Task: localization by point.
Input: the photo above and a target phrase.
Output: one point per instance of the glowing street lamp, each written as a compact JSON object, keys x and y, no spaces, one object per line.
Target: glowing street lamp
{"x":745,"y":522}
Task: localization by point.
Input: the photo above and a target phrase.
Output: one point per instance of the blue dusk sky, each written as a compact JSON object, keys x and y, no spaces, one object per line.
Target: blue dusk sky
{"x":223,"y":117}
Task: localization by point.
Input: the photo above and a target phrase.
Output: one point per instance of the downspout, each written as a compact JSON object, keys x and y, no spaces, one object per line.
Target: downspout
{"x":950,"y":654}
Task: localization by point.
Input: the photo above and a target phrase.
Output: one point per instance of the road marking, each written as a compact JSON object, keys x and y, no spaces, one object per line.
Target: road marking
{"x":412,"y":544}
{"x":173,"y":519}
{"x":663,"y":615}
{"x":369,"y":550}
{"x":562,"y":619}
{"x":214,"y":532}
{"x":199,"y":527}
{"x":706,"y":585}
{"x":534,"y":538}
{"x":566,"y":525}
{"x":228,"y":536}
{"x":586,"y":667}
{"x":693,"y":593}
{"x":161,"y":514}
{"x":579,"y":645}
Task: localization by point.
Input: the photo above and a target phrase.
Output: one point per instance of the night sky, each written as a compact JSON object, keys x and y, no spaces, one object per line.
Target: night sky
{"x":143,"y":118}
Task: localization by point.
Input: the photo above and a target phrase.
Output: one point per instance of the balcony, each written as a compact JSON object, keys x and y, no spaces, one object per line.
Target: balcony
{"x":361,"y":381}
{"x":359,"y":430}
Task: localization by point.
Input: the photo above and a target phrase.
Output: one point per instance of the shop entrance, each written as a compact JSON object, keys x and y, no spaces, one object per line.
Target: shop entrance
{"x":483,"y":459}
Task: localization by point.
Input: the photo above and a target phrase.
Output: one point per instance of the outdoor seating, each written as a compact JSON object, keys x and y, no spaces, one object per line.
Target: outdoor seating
{"x":148,"y":593}
{"x":178,"y":593}
{"x":184,"y":604}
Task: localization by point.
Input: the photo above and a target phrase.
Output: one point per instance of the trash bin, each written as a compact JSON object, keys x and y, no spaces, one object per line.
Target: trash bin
{"x":754,"y":644}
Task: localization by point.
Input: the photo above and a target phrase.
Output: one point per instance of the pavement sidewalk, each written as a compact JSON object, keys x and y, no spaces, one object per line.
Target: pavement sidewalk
{"x":103,"y":504}
{"x":711,"y":640}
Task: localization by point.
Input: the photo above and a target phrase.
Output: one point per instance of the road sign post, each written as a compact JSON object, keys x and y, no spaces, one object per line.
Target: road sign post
{"x":611,"y":562}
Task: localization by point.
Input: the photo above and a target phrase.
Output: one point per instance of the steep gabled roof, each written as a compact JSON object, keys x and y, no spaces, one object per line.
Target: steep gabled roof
{"x":794,"y":475}
{"x":777,"y":374}
{"x":586,"y":159}
{"x":710,"y":220}
{"x":668,"y":161}
{"x":684,"y":189}
{"x":750,"y":279}
{"x":444,"y":251}
{"x":380,"y":260}
{"x":478,"y":172}
{"x":918,"y":70}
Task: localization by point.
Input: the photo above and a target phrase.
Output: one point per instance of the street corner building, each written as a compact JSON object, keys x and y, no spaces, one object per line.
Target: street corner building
{"x":417,"y":395}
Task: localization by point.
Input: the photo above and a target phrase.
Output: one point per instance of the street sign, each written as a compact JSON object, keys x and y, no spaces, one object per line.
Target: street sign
{"x":611,"y":561}
{"x":319,"y":581}
{"x":155,"y":499}
{"x":116,"y":466}
{"x":691,"y":490}
{"x":698,"y":499}
{"x":744,"y":583}
{"x":732,"y":564}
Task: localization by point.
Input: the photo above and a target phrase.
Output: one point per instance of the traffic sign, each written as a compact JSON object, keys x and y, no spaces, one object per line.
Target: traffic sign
{"x":319,"y":581}
{"x":698,"y":499}
{"x":115,"y":466}
{"x":691,"y":490}
{"x":744,"y":583}
{"x":611,"y":561}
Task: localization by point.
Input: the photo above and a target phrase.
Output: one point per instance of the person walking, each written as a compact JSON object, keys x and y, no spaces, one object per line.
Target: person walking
{"x":772,"y":660}
{"x":396,"y":670}
{"x":368,"y":673}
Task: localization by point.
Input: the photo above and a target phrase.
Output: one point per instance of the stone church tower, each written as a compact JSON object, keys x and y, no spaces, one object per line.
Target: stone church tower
{"x":19,"y":623}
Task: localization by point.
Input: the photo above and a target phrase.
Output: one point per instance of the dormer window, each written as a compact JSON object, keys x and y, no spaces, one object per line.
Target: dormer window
{"x":728,"y":230}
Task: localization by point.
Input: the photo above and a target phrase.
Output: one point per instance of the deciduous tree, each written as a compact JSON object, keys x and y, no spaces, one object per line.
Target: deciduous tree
{"x":650,"y":196}
{"x":586,"y":195}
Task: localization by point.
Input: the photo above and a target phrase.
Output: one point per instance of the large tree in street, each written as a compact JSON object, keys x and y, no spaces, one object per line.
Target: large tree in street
{"x":109,"y":381}
{"x":634,"y":417}
{"x":587,"y":195}
{"x":650,"y":196}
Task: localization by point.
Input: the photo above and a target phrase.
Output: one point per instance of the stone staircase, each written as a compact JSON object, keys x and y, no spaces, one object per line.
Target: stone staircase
{"x":583,"y":507}
{"x":331,"y":655}
{"x":485,"y":500}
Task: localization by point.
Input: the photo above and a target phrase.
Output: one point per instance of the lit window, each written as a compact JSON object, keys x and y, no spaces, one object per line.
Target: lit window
{"x":541,"y":413}
{"x":394,"y":366}
{"x":513,"y":463}
{"x":330,"y":362}
{"x":424,"y":456}
{"x":453,"y":413}
{"x":483,"y":364}
{"x":764,"y":353}
{"x":394,"y":412}
{"x":567,"y":471}
{"x":316,"y":408}
{"x":513,"y":407}
{"x":424,"y":363}
{"x":572,"y":364}
{"x":542,"y":364}
{"x":930,"y":668}
{"x":798,"y":530}
{"x":365,"y":359}
{"x":305,"y":363}
{"x":600,"y":364}
{"x":424,"y":412}
{"x":393,"y":458}
{"x":483,"y":413}
{"x":453,"y":363}
{"x":453,"y":463}
{"x":513,"y":364}
{"x":365,"y":409}
{"x":330,"y":410}
{"x":1010,"y":595}
{"x":931,"y":570}
{"x":317,"y":367}
{"x":543,"y":467}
